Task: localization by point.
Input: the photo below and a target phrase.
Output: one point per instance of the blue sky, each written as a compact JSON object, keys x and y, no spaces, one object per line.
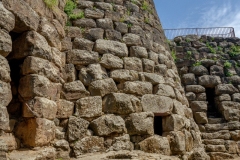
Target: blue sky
{"x":199,"y":13}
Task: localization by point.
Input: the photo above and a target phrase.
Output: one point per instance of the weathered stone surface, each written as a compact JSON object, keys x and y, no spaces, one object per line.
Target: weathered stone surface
{"x":189,"y":79}
{"x":122,"y":143}
{"x":36,"y":131}
{"x":8,"y":142}
{"x":82,"y":57}
{"x":225,"y":89}
{"x":199,"y":154}
{"x":121,"y":75}
{"x":231,"y":147}
{"x":69,"y":73}
{"x":102,"y":87}
{"x":112,"y":47}
{"x":35,"y":65}
{"x":195,"y":88}
{"x":62,"y":148}
{"x":159,"y":105}
{"x":82,"y":44}
{"x":156,"y":144}
{"x":108,"y":124}
{"x":5,"y":93}
{"x":85,"y":23}
{"x":177,"y":143}
{"x":4,"y":70}
{"x":236,"y":97}
{"x":36,"y":85}
{"x":105,"y":23}
{"x":164,"y":90}
{"x":40,"y":153}
{"x":191,"y":96}
{"x":209,"y":81}
{"x":224,"y":97}
{"x":148,"y":65}
{"x":89,"y":144}
{"x":31,"y":44}
{"x":140,"y":52}
{"x":7,"y":18}
{"x":92,"y":73}
{"x":5,"y":43}
{"x":40,"y":107}
{"x":25,"y":17}
{"x":93,"y":13}
{"x":64,"y":108}
{"x":120,"y":103}
{"x":137,"y":87}
{"x":151,"y":77}
{"x":200,"y":117}
{"x":132,"y":39}
{"x":220,"y":155}
{"x":173,"y":122}
{"x":216,"y":127}
{"x":48,"y":30}
{"x":140,"y":123}
{"x":58,"y":58}
{"x":217,"y":135}
{"x":199,"y":106}
{"x":74,"y":90}
{"x":89,"y":107}
{"x":4,"y":119}
{"x":216,"y":70}
{"x":77,"y":128}
{"x":110,"y":61}
{"x":199,"y":70}
{"x":235,"y":135}
{"x":133,"y":63}
{"x":224,"y":105}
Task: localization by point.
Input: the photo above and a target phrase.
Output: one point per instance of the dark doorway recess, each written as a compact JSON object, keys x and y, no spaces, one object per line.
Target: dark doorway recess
{"x":212,"y":108}
{"x":158,"y":125}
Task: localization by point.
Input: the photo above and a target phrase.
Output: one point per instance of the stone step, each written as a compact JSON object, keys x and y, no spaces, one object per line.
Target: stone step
{"x":214,"y":141}
{"x":216,"y":127}
{"x":219,"y":155}
{"x":224,"y":134}
{"x":215,"y":120}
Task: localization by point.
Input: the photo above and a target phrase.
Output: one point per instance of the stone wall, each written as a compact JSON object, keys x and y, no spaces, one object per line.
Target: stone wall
{"x":209,"y":70}
{"x":105,"y":82}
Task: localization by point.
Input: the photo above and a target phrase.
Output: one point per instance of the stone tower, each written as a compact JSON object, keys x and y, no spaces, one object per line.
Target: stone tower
{"x":104,"y":81}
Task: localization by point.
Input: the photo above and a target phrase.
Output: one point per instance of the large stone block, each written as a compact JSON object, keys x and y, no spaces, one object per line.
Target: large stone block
{"x":173,"y":122}
{"x":137,"y":51}
{"x":89,"y":107}
{"x":92,"y":73}
{"x":209,"y":81}
{"x":58,"y":57}
{"x":25,"y":17}
{"x":35,"y":132}
{"x":102,"y":87}
{"x":159,"y":105}
{"x":120,"y":103}
{"x":224,"y":134}
{"x":200,"y":117}
{"x":177,"y":142}
{"x":4,"y":70}
{"x":7,"y":18}
{"x":5,"y":43}
{"x":64,"y":108}
{"x":121,"y":75}
{"x":110,"y":61}
{"x":195,"y":88}
{"x":35,"y":85}
{"x":199,"y":70}
{"x":82,"y":57}
{"x":121,"y":143}
{"x":8,"y":142}
{"x":140,"y":123}
{"x":164,"y":90}
{"x":89,"y":144}
{"x":133,"y":63}
{"x":152,"y":78}
{"x":108,"y":124}
{"x":199,"y":106}
{"x":4,"y":119}
{"x":189,"y":79}
{"x":40,"y":107}
{"x":74,"y":90}
{"x":137,"y":87}
{"x":156,"y":144}
{"x":77,"y":128}
{"x":112,"y":47}
{"x":31,"y":43}
{"x":132,"y":39}
{"x":225,"y":89}
{"x":5,"y":93}
{"x":35,"y":65}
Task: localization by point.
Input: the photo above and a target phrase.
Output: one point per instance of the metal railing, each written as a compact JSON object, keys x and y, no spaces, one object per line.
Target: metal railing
{"x":213,"y":32}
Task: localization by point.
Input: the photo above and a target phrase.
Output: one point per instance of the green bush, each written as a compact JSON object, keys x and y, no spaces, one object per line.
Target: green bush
{"x":173,"y":53}
{"x":69,"y":7}
{"x":212,"y":50}
{"x":235,"y":50}
{"x":198,"y":63}
{"x":227,"y":64}
{"x":51,"y":3}
{"x":228,"y":74}
{"x":79,"y":15}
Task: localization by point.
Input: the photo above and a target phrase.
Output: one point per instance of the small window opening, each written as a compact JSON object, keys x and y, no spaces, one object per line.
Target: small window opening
{"x":212,"y":108}
{"x":158,"y":125}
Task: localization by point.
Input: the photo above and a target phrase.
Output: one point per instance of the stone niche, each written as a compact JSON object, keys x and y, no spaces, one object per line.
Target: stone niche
{"x":104,"y":82}
{"x":209,"y":71}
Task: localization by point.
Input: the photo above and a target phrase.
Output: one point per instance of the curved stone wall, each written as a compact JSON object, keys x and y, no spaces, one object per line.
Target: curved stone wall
{"x":209,"y":70}
{"x":105,"y":82}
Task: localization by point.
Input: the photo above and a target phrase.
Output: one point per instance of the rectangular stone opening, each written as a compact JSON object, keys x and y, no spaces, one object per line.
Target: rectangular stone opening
{"x":212,"y":111}
{"x":158,"y":125}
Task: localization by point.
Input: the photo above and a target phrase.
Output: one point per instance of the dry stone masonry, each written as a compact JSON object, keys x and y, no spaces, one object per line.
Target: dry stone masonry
{"x":100,"y":78}
{"x":209,"y":70}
